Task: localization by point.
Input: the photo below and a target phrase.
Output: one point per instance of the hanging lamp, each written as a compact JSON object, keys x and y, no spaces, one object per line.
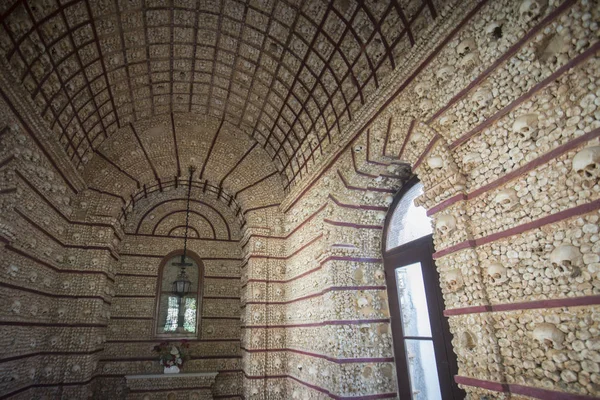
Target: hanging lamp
{"x":182,"y":285}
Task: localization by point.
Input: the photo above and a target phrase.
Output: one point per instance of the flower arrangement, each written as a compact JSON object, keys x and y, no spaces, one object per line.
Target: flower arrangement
{"x":172,"y":354}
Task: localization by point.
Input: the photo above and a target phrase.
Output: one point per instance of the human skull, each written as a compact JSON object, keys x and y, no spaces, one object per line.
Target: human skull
{"x":470,"y":160}
{"x":61,"y":311}
{"x":566,"y":260}
{"x":496,"y":274}
{"x":530,"y":9}
{"x":435,"y":162}
{"x":525,"y":127}
{"x":467,"y":340}
{"x":493,"y":30}
{"x":553,"y":50}
{"x":465,"y":47}
{"x":549,"y":335}
{"x":53,"y":341}
{"x":358,"y":148}
{"x":362,"y":302}
{"x":586,"y":165}
{"x":482,"y":98}
{"x":445,"y":224}
{"x":65,"y":285}
{"x":507,"y":199}
{"x":454,"y":280}
{"x":12,"y":271}
{"x":469,"y":61}
{"x":379,"y":275}
{"x":277,"y":363}
{"x":421,"y":89}
{"x":444,"y":72}
{"x":16,"y":307}
{"x":256,"y":316}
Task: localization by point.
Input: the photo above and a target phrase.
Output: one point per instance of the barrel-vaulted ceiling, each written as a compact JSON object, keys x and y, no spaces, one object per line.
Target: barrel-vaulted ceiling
{"x":289,"y":73}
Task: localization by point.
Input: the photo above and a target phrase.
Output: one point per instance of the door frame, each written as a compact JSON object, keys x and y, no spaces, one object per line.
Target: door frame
{"x":420,"y":250}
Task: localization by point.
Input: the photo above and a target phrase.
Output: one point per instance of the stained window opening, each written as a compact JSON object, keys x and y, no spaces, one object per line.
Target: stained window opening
{"x":169,"y":304}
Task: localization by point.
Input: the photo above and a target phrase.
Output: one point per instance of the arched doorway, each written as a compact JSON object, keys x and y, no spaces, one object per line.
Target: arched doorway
{"x":425,"y":361}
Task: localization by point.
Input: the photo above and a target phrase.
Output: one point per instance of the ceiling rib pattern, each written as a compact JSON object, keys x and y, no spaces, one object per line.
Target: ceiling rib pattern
{"x":289,"y":73}
{"x":155,"y":154}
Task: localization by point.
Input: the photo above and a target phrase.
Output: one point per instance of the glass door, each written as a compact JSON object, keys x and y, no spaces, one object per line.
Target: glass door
{"x":425,"y":362}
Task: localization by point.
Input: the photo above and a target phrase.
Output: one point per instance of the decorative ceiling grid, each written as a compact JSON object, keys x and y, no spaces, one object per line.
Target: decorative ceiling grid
{"x":290,"y":73}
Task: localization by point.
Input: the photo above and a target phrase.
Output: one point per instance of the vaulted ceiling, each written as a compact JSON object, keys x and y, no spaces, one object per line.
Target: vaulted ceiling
{"x":291,"y":74}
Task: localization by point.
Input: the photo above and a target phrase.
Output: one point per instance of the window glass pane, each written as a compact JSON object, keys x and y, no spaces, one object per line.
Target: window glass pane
{"x":172,"y":310}
{"x":189,"y":321}
{"x":413,"y":302}
{"x":408,"y":221}
{"x":422,"y":369}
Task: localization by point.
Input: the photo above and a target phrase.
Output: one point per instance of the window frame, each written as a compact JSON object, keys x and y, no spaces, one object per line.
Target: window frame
{"x":159,"y":292}
{"x":419,"y":250}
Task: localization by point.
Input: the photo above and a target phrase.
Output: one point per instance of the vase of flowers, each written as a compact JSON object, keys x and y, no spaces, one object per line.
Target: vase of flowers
{"x":172,"y":355}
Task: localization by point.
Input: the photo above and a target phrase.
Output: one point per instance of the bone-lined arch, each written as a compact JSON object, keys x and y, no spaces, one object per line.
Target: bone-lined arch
{"x":291,"y":74}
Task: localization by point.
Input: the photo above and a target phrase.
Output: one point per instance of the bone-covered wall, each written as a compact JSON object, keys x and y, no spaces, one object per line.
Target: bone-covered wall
{"x":501,"y":126}
{"x":131,"y":334}
{"x":495,"y":108}
{"x":56,"y":269}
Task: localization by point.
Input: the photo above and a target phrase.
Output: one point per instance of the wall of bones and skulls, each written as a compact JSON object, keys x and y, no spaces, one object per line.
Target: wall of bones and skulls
{"x":494,"y":105}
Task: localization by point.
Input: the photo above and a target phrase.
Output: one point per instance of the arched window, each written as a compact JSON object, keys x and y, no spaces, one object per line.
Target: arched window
{"x":175,"y":316}
{"x":425,"y":362}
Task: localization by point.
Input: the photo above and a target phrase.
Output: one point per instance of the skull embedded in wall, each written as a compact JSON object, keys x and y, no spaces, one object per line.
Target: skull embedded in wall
{"x":421,"y":89}
{"x":525,"y":127}
{"x":497,"y":274}
{"x":358,"y":148}
{"x":65,"y":285}
{"x":12,"y":271}
{"x":469,"y":61}
{"x":586,"y":165}
{"x":445,"y":224}
{"x":379,"y":275}
{"x":566,"y":260}
{"x":530,"y":9}
{"x":62,"y":311}
{"x":467,"y":341}
{"x":362,"y":302}
{"x":482,"y":98}
{"x":553,"y":49}
{"x":507,"y":199}
{"x":444,"y":72}
{"x":53,"y":341}
{"x":435,"y":162}
{"x":493,"y":30}
{"x":465,"y":47}
{"x":16,"y":307}
{"x":454,"y":280}
{"x":549,"y":335}
{"x":470,"y":160}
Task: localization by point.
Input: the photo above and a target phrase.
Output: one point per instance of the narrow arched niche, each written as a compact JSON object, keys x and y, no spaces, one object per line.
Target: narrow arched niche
{"x":168,"y":305}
